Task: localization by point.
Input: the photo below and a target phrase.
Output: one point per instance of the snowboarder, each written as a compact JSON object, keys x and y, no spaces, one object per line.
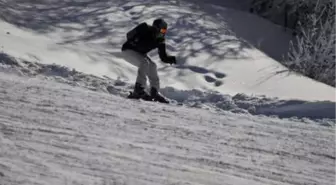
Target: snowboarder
{"x":141,"y":40}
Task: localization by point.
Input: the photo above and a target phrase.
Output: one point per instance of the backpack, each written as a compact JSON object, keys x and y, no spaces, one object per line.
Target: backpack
{"x":132,"y":34}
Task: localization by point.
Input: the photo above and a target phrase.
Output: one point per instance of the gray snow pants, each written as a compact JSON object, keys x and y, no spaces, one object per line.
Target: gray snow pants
{"x":146,"y":68}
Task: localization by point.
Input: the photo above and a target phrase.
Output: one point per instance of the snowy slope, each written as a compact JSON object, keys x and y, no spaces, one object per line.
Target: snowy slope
{"x":53,"y":133}
{"x":64,"y":126}
{"x":219,"y":49}
{"x":321,"y":111}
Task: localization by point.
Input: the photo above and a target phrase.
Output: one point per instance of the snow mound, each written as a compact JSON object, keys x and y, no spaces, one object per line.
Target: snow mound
{"x":240,"y":103}
{"x":256,"y":105}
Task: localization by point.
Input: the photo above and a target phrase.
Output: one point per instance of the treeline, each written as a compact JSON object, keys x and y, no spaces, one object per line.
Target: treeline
{"x":312,"y":22}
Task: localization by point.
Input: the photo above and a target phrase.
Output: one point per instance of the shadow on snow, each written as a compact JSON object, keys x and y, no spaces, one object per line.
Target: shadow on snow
{"x":111,"y":19}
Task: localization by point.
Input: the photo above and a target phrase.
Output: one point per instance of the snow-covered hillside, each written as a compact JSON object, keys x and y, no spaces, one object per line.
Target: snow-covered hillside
{"x":231,"y":53}
{"x":321,"y":111}
{"x":236,"y":117}
{"x":53,"y":133}
{"x":219,"y":49}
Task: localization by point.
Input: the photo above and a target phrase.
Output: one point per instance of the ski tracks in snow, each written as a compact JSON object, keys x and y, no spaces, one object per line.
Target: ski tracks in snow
{"x":52,"y":133}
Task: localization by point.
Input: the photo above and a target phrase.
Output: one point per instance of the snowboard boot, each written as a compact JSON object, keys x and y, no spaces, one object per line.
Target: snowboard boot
{"x":139,"y":93}
{"x":157,"y":97}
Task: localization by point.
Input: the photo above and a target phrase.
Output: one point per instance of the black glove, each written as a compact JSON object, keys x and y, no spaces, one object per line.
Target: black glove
{"x":170,"y":60}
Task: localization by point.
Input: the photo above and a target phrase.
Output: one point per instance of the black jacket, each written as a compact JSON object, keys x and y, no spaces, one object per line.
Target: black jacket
{"x":143,"y":39}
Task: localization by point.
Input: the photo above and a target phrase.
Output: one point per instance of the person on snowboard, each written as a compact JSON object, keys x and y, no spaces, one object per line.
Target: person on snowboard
{"x":141,"y":40}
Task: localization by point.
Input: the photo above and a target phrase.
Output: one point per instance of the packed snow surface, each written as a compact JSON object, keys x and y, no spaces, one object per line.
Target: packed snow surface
{"x":53,"y":133}
{"x":237,"y":116}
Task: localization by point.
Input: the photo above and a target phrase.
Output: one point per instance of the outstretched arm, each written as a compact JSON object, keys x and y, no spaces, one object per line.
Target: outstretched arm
{"x":163,"y":54}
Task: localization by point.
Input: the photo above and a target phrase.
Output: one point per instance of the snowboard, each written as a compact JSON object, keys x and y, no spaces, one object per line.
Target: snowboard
{"x":132,"y":96}
{"x":113,"y":90}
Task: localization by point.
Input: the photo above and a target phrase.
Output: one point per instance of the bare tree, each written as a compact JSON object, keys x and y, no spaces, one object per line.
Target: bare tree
{"x":313,"y":22}
{"x":313,"y":53}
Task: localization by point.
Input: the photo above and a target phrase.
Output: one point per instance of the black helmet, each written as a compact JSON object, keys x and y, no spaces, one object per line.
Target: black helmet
{"x":160,"y":24}
{"x":161,"y":27}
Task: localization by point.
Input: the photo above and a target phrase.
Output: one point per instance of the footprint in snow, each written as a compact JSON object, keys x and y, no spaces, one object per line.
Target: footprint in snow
{"x":210,"y":79}
{"x":220,"y":75}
